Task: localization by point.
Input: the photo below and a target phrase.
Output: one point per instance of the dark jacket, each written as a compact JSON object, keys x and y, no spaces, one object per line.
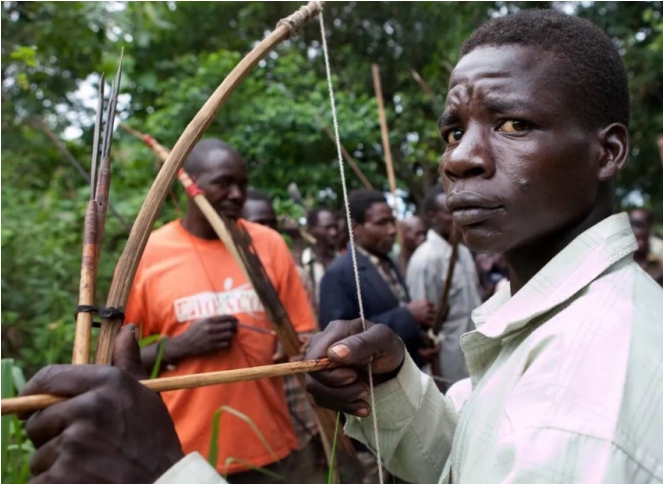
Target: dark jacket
{"x":338,"y":299}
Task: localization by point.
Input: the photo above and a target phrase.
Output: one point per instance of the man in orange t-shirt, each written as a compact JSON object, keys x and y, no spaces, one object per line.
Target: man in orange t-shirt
{"x":189,"y":288}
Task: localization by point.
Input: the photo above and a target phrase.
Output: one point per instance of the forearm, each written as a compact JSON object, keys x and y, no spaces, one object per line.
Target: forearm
{"x":416,"y":425}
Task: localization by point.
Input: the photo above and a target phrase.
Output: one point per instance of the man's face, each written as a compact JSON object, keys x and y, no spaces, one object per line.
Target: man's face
{"x":222,"y":177}
{"x":326,"y":230}
{"x":641,"y":228}
{"x":414,"y":233}
{"x":260,"y":212}
{"x":440,"y":218}
{"x":519,"y":166}
{"x":378,"y":232}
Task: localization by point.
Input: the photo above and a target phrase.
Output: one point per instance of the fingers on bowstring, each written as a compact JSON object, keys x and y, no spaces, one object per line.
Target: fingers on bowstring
{"x":336,"y":377}
{"x":364,"y":347}
{"x":350,"y":399}
{"x":126,"y":353}
{"x":320,"y":343}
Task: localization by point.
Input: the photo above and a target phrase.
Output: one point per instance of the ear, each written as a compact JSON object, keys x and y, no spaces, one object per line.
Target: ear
{"x":614,"y":151}
{"x":356,"y":226}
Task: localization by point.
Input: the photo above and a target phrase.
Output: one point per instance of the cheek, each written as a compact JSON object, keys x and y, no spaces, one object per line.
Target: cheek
{"x":543,"y":176}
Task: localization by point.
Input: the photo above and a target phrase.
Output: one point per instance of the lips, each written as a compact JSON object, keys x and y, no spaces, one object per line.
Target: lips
{"x":229,"y":208}
{"x":469,"y":208}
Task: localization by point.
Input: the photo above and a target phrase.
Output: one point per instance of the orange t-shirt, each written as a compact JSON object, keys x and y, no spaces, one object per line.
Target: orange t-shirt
{"x":181,"y":279}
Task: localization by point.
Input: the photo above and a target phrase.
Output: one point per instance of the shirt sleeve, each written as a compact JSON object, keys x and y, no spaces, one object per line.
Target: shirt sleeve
{"x":425,"y":278}
{"x":192,"y":469}
{"x":291,"y":290}
{"x":416,"y":426}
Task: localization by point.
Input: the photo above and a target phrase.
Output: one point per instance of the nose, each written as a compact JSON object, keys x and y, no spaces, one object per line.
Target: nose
{"x":235,"y":192}
{"x":471,"y":157}
{"x":391,"y":229}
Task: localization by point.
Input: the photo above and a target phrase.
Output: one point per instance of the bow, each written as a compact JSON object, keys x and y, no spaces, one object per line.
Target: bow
{"x":128,"y":262}
{"x":238,"y":243}
{"x":434,"y":333}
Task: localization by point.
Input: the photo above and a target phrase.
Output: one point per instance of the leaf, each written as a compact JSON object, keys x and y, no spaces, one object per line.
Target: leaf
{"x":332,"y":458}
{"x":156,"y":369}
{"x":7,"y":392}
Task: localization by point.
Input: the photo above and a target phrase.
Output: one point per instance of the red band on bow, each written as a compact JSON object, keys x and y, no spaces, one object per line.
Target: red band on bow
{"x":191,"y":188}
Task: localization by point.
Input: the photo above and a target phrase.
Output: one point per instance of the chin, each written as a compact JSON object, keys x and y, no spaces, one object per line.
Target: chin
{"x":484,"y":240}
{"x":230,"y":213}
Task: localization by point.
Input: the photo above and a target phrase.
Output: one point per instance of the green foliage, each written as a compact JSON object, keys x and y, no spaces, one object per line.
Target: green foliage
{"x":15,"y":448}
{"x":176,"y":53}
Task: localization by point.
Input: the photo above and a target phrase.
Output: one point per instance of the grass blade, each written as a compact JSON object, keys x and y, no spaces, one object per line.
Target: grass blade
{"x":332,"y":458}
{"x":213,"y":455}
{"x":7,"y":392}
{"x":156,"y":369}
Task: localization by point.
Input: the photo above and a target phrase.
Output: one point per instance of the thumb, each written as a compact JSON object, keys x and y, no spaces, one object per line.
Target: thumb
{"x":378,"y":344}
{"x":126,"y":353}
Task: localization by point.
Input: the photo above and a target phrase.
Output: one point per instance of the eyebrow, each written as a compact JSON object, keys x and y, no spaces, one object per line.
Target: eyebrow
{"x":447,"y":118}
{"x":495,"y":105}
{"x":501,"y":105}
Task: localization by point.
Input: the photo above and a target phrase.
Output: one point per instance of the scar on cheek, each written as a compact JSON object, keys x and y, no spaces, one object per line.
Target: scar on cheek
{"x":523,"y":184}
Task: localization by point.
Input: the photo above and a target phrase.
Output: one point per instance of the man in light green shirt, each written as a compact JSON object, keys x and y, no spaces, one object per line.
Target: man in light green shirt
{"x":566,"y":364}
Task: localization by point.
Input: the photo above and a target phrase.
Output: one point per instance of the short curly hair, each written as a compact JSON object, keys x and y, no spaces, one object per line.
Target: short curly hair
{"x":587,"y":57}
{"x":361,"y":201}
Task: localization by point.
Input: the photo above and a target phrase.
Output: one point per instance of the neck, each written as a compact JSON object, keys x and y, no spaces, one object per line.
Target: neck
{"x":324,"y":253}
{"x":442,"y":233}
{"x":640,"y":256}
{"x":196,"y":224}
{"x":524,"y":262}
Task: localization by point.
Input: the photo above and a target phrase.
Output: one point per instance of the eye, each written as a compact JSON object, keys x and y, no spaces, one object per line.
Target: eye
{"x":453,"y":136}
{"x":514,"y":126}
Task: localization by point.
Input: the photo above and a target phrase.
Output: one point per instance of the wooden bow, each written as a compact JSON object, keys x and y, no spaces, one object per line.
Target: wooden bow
{"x":434,"y":333}
{"x":238,"y":243}
{"x":133,"y":251}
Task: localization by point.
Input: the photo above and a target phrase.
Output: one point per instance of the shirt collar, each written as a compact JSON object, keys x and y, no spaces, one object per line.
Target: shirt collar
{"x":571,"y":270}
{"x":374,"y":259}
{"x":436,"y":238}
{"x":308,"y":256}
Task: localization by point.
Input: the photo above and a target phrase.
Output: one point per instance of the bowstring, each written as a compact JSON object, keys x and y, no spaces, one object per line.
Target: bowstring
{"x":353,"y":251}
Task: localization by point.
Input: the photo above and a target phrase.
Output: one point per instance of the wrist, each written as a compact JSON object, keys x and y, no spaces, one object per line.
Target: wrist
{"x":175,"y":350}
{"x":390,"y":375}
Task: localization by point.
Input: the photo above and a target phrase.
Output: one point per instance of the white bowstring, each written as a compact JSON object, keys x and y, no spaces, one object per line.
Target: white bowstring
{"x":353,"y":251}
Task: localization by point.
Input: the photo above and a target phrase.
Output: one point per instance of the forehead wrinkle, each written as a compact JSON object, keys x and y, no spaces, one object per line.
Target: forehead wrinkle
{"x":458,"y":95}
